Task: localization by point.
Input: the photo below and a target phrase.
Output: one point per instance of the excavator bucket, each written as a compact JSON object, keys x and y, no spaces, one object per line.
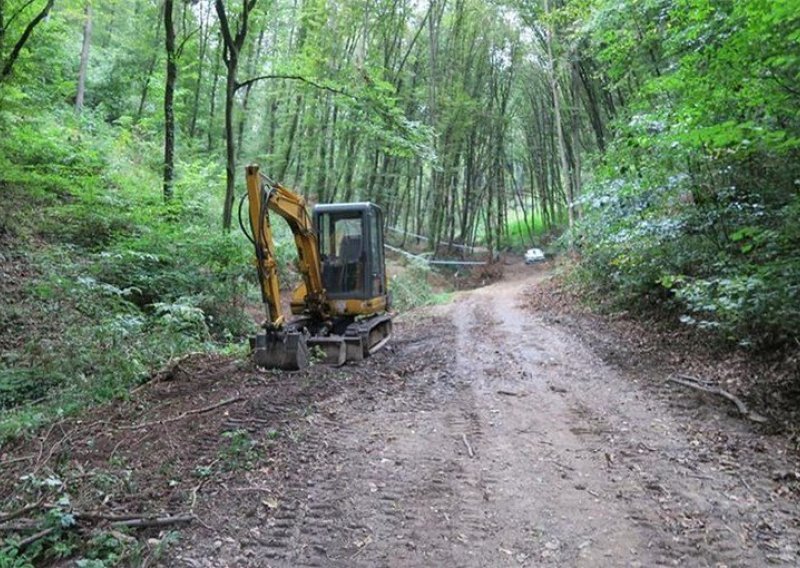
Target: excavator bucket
{"x":280,"y":350}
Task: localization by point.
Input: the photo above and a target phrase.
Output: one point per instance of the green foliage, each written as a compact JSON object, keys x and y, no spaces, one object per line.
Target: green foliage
{"x":696,"y":204}
{"x":118,"y":283}
{"x":411,"y":288}
{"x":240,"y":450}
{"x":519,"y":236}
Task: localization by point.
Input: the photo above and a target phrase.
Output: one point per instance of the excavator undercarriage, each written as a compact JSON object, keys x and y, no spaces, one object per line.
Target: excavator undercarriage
{"x":294,"y":347}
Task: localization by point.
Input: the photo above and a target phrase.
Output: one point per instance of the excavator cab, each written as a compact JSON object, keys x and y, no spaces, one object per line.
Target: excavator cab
{"x":350,"y":237}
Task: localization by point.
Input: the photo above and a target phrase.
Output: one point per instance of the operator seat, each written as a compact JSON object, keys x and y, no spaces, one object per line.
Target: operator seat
{"x":351,"y":253}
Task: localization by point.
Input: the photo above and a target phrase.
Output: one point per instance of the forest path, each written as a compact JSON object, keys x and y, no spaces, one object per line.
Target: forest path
{"x":502,"y":441}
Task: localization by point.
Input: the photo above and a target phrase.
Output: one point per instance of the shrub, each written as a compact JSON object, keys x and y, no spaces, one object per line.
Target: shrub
{"x":411,"y":288}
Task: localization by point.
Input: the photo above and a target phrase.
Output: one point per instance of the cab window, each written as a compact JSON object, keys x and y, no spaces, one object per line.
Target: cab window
{"x":341,"y":250}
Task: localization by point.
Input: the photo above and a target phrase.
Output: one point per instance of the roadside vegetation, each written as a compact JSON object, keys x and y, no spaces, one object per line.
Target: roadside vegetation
{"x":693,"y":207}
{"x":103,"y":284}
{"x":412,"y":287}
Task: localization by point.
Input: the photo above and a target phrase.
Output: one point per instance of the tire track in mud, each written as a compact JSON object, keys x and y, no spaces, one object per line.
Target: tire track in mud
{"x":349,"y":497}
{"x":499,"y":441}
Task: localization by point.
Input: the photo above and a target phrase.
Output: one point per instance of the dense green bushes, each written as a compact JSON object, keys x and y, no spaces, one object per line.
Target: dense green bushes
{"x":112,"y":283}
{"x":695,"y":204}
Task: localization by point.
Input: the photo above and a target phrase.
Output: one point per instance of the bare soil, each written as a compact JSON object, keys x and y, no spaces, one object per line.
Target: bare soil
{"x":487,"y":434}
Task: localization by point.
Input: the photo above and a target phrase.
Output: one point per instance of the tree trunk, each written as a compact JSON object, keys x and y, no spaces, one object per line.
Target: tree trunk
{"x":212,"y":111}
{"x":232,"y":48}
{"x":287,"y":156}
{"x":87,"y":35}
{"x":576,"y":142}
{"x":230,"y":150}
{"x":555,"y":88}
{"x":252,"y":57}
{"x":169,"y":102}
{"x":2,"y":25}
{"x":204,"y":36}
{"x":150,"y":69}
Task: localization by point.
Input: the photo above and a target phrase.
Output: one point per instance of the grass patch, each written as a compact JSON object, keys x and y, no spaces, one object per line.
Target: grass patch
{"x":520,"y":235}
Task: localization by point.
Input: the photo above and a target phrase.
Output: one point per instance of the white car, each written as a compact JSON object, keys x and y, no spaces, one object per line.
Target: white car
{"x":534,"y":255}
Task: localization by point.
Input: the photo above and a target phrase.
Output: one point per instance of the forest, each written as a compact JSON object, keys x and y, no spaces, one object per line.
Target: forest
{"x":652,"y":145}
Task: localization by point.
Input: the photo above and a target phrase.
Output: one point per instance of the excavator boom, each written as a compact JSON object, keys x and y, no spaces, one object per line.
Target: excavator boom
{"x":292,"y":208}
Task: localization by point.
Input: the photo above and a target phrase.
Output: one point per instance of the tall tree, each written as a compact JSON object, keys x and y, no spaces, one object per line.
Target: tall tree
{"x":169,"y":101}
{"x":555,"y":90}
{"x":84,"y":64}
{"x":233,"y":43}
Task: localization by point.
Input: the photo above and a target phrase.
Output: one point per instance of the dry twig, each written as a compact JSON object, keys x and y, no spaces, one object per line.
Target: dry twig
{"x":5,"y":517}
{"x":694,"y":383}
{"x":24,"y":543}
{"x":467,"y":444}
{"x":41,"y":462}
{"x":158,"y":522}
{"x":167,"y":370}
{"x":183,"y":415}
{"x":16,"y":460}
{"x":508,"y":393}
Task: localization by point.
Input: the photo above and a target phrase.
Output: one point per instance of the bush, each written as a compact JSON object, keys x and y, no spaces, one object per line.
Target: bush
{"x":724,"y":258}
{"x":411,"y":288}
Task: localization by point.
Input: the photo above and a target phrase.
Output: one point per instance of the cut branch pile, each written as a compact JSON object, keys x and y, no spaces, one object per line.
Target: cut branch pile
{"x":83,"y":520}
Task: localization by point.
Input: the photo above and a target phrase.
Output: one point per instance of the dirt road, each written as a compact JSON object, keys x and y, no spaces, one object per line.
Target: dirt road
{"x":494,"y":438}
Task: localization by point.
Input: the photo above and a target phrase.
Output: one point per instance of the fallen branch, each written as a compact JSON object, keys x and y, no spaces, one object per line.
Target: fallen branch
{"x":508,"y":393}
{"x":469,"y":447}
{"x":16,"y":460}
{"x":39,"y":463}
{"x":24,"y":526}
{"x":183,"y":415}
{"x":118,"y":521}
{"x":167,"y":371}
{"x":148,"y":523}
{"x":5,"y":517}
{"x":34,"y":537}
{"x":199,"y":486}
{"x":691,"y":382}
{"x":93,"y":516}
{"x":42,"y":443}
{"x":132,"y":520}
{"x":112,"y":517}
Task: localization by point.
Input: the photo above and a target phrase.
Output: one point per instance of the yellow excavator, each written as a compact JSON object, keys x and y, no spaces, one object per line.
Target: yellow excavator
{"x":342,"y":304}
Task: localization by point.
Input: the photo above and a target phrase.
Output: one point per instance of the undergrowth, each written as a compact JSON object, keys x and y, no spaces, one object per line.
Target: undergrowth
{"x":411,"y":288}
{"x":525,"y":231}
{"x":105,"y":282}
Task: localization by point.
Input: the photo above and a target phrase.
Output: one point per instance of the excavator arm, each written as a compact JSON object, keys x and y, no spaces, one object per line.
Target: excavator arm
{"x":265,"y":195}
